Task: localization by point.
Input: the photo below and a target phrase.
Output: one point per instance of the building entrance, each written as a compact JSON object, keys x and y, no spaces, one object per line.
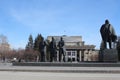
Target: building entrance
{"x":71,"y":56}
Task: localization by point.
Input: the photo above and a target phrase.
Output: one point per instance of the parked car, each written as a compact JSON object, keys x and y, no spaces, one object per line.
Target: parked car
{"x":14,"y":60}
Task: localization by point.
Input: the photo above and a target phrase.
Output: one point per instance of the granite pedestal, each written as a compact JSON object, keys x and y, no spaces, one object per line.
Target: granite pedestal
{"x":110,"y":55}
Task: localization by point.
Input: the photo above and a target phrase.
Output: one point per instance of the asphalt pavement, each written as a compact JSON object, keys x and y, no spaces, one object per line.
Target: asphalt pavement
{"x":11,"y":75}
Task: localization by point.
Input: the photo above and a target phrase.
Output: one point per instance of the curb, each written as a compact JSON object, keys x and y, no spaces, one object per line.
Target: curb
{"x":64,"y":71}
{"x":57,"y":64}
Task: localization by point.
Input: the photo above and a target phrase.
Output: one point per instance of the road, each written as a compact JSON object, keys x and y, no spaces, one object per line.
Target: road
{"x":11,"y":75}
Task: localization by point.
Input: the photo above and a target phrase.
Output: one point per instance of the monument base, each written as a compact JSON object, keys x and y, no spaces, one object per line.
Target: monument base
{"x":68,"y":64}
{"x":110,"y":55}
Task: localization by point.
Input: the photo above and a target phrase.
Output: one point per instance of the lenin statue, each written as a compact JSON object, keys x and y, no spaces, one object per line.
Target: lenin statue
{"x":108,"y":34}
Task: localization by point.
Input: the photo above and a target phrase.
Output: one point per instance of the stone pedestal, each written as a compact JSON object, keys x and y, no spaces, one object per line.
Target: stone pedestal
{"x":110,"y":55}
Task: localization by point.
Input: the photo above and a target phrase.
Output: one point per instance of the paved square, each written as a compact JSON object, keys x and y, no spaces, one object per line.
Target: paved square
{"x":10,"y":75}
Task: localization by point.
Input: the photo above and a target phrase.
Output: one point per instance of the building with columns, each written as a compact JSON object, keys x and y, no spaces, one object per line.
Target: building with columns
{"x":76,"y":49}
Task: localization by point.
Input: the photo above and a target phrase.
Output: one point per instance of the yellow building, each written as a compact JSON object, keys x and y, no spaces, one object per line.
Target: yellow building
{"x":4,"y":46}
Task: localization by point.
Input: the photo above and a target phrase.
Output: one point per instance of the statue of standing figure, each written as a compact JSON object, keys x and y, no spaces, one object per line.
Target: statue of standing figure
{"x":42,"y":45}
{"x":53,"y":50}
{"x":61,"y":49}
{"x":108,"y":34}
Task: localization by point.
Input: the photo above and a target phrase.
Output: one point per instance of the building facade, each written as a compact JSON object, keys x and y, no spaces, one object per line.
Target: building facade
{"x":76,"y":49}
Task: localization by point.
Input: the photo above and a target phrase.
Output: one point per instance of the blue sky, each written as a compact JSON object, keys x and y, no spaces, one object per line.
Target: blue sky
{"x":20,"y":18}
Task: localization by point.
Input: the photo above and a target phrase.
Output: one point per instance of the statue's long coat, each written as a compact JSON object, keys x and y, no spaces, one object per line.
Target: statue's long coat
{"x":107,"y":32}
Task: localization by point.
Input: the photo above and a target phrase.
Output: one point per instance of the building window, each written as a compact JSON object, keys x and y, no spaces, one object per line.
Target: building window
{"x":71,"y":55}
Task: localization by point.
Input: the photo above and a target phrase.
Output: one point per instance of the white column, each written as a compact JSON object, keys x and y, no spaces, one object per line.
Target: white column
{"x":89,"y":55}
{"x":71,"y":56}
{"x":75,"y":56}
{"x":80,"y":57}
{"x":66,"y":56}
{"x":57,"y":56}
{"x":86,"y":55}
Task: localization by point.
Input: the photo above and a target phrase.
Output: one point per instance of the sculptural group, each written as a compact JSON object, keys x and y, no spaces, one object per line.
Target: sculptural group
{"x":53,"y":48}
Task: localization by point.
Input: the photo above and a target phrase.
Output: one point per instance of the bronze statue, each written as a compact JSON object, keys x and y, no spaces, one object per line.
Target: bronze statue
{"x":42,"y":45}
{"x":53,"y":50}
{"x":107,"y":34}
{"x":61,"y":49}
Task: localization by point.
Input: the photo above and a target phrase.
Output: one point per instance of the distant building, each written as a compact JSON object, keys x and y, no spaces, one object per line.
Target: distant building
{"x":5,"y":47}
{"x":76,"y":49}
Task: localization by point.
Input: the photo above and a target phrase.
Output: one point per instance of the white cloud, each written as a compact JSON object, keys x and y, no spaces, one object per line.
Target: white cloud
{"x":35,"y":19}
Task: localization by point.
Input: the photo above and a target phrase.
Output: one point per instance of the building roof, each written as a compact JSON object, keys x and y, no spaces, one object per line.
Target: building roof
{"x":67,"y":38}
{"x":72,"y":40}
